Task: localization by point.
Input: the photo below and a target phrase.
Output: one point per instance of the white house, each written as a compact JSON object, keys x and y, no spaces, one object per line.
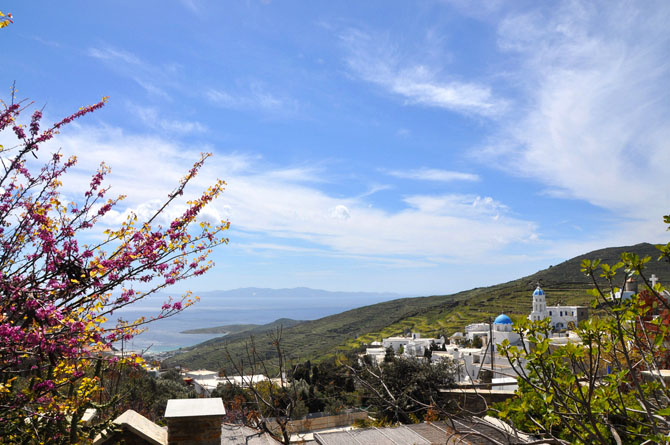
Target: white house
{"x":205,"y":386}
{"x":201,"y":374}
{"x":377,"y":354}
{"x":475,"y":330}
{"x":413,"y":346}
{"x":244,"y":380}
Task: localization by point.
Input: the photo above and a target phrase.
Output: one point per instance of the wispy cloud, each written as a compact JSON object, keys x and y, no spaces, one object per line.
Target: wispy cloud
{"x":164,"y":80}
{"x":151,"y":117}
{"x":115,"y":55}
{"x":46,"y":42}
{"x":255,"y":96}
{"x":192,"y":5}
{"x":154,"y":79}
{"x":432,"y":174}
{"x":373,"y":59}
{"x":597,"y":124}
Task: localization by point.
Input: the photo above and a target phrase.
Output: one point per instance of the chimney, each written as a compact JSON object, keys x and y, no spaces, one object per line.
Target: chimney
{"x":194,"y":421}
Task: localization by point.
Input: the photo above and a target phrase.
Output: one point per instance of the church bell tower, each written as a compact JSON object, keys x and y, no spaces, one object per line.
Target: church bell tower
{"x":539,"y":306}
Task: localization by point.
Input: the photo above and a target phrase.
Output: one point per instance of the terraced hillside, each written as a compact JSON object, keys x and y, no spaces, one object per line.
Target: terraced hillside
{"x":431,"y":316}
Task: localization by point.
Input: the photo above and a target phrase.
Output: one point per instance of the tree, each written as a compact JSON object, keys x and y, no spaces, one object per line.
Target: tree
{"x":148,"y":395}
{"x":390,"y":354}
{"x":608,"y":388}
{"x":61,"y":279}
{"x":5,"y":22}
{"x":477,"y":342}
{"x":271,"y":403}
{"x":405,"y":389}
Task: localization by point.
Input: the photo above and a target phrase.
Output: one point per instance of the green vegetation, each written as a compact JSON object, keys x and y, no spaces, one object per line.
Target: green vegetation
{"x":247,"y":328}
{"x":148,"y":395}
{"x":611,"y":380}
{"x":431,"y":316}
{"x":402,"y":390}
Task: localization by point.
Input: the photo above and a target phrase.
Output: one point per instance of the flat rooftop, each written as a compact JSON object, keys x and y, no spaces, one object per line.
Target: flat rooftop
{"x":194,"y":408}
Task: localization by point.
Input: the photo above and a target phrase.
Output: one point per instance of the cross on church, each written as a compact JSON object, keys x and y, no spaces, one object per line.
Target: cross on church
{"x":653,"y":279}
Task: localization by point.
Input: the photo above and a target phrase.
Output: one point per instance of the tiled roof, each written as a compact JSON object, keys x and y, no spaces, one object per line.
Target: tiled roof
{"x":463,"y":432}
{"x":372,"y":436}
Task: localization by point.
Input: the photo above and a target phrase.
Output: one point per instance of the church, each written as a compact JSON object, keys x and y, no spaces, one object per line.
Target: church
{"x":562,"y":317}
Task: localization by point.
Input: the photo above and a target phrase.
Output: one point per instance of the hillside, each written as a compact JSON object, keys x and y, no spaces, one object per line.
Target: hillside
{"x":431,"y":316}
{"x":246,"y":328}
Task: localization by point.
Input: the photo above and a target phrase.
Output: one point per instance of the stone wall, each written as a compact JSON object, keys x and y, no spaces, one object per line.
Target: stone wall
{"x":473,"y":401}
{"x":204,"y":430}
{"x":320,"y":423}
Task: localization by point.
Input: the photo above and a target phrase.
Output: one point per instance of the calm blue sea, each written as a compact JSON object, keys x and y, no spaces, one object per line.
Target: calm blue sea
{"x":165,"y":335}
{"x":241,"y":306}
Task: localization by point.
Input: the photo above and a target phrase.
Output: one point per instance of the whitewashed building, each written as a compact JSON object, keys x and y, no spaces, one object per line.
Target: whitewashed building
{"x":475,"y":330}
{"x":502,"y":330}
{"x":201,"y":374}
{"x":205,"y":386}
{"x":562,"y":317}
{"x":413,"y":345}
{"x":377,"y":354}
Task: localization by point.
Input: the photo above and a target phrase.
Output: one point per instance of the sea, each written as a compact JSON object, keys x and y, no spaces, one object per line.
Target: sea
{"x":239,"y":306}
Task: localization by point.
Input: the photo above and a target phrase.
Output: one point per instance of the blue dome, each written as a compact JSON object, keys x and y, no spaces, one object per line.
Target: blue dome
{"x":502,"y":319}
{"x":538,"y":291}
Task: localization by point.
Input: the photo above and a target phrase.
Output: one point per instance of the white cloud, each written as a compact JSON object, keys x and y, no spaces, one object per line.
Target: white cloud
{"x":151,"y":117}
{"x":192,"y":5}
{"x":479,"y":9}
{"x":596,"y":121}
{"x":374,"y":60}
{"x":340,"y":212}
{"x":254,"y":96}
{"x":115,"y":55}
{"x":164,"y":79}
{"x":154,"y":79}
{"x":267,"y":203}
{"x":432,"y":174}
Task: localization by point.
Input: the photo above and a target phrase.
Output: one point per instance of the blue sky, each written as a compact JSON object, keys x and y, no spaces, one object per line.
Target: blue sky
{"x":415,"y":147}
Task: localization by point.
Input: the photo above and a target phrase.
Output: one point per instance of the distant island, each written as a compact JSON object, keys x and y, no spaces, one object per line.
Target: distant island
{"x":250,"y":328}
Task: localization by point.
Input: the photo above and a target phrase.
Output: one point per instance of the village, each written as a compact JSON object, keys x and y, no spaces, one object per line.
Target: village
{"x":483,"y":376}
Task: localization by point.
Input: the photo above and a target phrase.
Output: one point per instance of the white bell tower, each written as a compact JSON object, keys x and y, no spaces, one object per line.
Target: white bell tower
{"x":539,"y":306}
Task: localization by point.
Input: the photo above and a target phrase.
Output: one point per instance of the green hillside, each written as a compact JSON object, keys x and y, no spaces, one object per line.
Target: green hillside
{"x":246,"y":328}
{"x":431,"y":316}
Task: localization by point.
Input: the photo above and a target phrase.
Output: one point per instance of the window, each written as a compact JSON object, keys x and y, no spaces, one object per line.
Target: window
{"x":549,"y":313}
